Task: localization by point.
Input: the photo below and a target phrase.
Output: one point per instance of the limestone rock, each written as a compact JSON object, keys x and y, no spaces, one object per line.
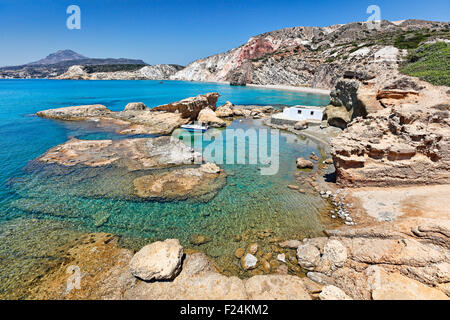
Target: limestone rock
{"x":197,"y":281}
{"x":239,"y":253}
{"x":201,"y":183}
{"x":135,"y":106}
{"x":252,"y":248}
{"x":210,"y":168}
{"x":292,"y":244}
{"x":209,"y":117}
{"x":301,"y":125}
{"x":333,"y":293}
{"x":133,"y":154}
{"x":198,"y":239}
{"x":249,"y":262}
{"x":136,"y":119}
{"x":191,"y":107}
{"x":276,"y":287}
{"x":154,"y":72}
{"x":337,"y":116}
{"x":157,"y":261}
{"x":308,"y":256}
{"x":304,"y":164}
{"x":390,"y":251}
{"x":397,"y":146}
{"x":76,"y":112}
{"x":394,"y":286}
{"x":336,"y":253}
{"x":225,"y":111}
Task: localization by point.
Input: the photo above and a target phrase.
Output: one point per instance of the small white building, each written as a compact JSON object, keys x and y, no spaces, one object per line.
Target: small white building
{"x":299,"y":113}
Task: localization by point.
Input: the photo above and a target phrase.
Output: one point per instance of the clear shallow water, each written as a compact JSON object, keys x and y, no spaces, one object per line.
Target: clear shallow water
{"x":250,"y":204}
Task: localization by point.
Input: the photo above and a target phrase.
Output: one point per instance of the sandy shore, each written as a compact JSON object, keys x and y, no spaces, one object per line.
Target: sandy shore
{"x":292,"y":88}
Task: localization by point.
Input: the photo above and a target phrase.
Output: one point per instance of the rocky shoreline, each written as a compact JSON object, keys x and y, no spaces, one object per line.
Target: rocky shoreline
{"x":393,"y":242}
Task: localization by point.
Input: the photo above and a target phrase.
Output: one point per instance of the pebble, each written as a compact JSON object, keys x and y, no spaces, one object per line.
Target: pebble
{"x":281,"y":257}
{"x":239,"y":253}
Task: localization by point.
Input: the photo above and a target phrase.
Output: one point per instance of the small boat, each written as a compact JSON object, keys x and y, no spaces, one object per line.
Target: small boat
{"x":195,"y":127}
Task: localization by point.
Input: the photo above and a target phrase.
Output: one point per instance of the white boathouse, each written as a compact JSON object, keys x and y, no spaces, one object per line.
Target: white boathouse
{"x":299,"y":113}
{"x":292,"y":115}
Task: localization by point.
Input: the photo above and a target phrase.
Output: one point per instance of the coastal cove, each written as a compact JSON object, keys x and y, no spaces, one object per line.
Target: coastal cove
{"x":61,"y":208}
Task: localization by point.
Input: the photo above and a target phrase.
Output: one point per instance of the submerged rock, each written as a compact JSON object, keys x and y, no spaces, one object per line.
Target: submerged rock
{"x":198,"y":239}
{"x":157,"y":261}
{"x":304,"y":164}
{"x":249,"y":261}
{"x":179,"y":184}
{"x":133,"y":154}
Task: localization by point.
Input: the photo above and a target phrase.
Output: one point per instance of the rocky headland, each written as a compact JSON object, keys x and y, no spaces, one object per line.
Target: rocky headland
{"x":154,"y":72}
{"x":136,"y":118}
{"x":313,"y":57}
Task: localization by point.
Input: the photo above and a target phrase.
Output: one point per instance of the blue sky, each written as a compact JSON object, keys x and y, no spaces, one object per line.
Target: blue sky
{"x":175,"y":31}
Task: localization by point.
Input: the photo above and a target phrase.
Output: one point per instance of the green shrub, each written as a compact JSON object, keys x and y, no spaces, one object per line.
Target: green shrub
{"x":430,"y":62}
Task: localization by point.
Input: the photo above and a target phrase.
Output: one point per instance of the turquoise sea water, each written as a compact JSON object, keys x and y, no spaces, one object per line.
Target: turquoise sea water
{"x":248,"y":205}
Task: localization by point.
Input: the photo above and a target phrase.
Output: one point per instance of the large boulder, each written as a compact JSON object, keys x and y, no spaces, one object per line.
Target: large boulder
{"x":308,"y":256}
{"x":191,"y":107}
{"x":209,"y":117}
{"x":157,"y":261}
{"x":335,"y":253}
{"x":225,"y":111}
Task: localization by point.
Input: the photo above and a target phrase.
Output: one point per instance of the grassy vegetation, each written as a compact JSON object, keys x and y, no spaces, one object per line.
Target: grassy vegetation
{"x":112,"y":67}
{"x":410,"y":41}
{"x":430,"y":62}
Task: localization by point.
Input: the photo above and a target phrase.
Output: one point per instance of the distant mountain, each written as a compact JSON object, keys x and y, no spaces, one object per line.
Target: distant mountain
{"x":59,"y":56}
{"x":56,"y":64}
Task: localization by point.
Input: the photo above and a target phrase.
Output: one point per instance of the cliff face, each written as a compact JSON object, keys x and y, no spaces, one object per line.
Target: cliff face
{"x":308,"y":56}
{"x":155,"y":72}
